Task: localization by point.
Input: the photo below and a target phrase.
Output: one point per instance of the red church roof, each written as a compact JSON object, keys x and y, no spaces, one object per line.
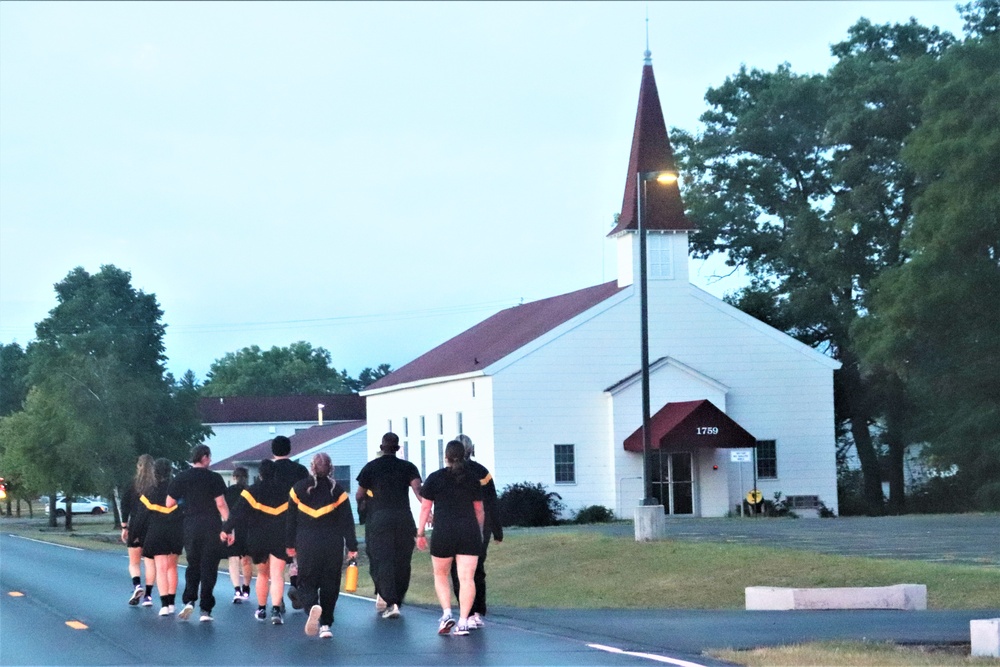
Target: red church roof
{"x":651,"y":151}
{"x":496,"y":337}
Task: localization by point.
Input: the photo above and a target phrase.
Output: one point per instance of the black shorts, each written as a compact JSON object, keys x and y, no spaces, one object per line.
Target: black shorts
{"x":261,"y":557}
{"x":447,"y":542}
{"x":163,"y":539}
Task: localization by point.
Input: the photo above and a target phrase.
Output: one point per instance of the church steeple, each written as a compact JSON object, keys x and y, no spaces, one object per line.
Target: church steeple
{"x":651,"y":151}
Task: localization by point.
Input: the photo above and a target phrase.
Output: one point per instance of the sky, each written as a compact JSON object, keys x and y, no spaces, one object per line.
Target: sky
{"x":372,"y":178}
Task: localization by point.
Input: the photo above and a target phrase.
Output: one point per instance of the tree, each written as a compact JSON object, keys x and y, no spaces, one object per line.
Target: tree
{"x":13,"y":378}
{"x":101,"y":393}
{"x":367,"y":376}
{"x":933,"y":320}
{"x":799,"y":180}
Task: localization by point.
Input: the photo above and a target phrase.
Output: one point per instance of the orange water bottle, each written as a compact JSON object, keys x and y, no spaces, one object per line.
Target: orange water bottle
{"x":351,"y":576}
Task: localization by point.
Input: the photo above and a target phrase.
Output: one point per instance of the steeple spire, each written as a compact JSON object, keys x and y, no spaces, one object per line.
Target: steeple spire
{"x":651,"y":151}
{"x":647,"y":55}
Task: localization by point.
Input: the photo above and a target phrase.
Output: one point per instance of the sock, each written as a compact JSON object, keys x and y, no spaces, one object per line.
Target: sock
{"x":173,"y":598}
{"x":262,"y":606}
{"x":275,"y":610}
{"x":237,"y":589}
{"x":164,"y":600}
{"x":246,"y":589}
{"x":149,"y":590}
{"x":136,"y":582}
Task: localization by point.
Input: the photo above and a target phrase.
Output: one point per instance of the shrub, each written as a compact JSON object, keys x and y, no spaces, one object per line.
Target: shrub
{"x":594,"y":514}
{"x":527,"y":504}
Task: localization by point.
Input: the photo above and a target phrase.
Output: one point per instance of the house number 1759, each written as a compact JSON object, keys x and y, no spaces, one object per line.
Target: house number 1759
{"x":708,"y":430}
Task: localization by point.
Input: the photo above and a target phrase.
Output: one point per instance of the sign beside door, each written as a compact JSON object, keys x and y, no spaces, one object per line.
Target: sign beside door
{"x":740,"y":456}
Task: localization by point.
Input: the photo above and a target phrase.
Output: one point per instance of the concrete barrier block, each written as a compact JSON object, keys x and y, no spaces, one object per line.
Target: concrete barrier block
{"x":650,"y":523}
{"x":985,"y":637}
{"x":900,"y":596}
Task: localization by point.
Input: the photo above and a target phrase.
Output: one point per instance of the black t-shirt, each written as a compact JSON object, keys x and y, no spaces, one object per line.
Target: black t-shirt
{"x":388,"y":478}
{"x":452,"y":497}
{"x":196,"y":489}
{"x":287,"y":472}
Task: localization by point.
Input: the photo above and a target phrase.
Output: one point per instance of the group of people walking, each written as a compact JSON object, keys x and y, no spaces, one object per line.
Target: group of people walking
{"x":302,"y":517}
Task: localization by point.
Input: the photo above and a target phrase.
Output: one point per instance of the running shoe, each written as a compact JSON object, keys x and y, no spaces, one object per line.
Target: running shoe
{"x":245,"y":594}
{"x":185,"y":613}
{"x":391,"y":612}
{"x":206,"y":616}
{"x":461,"y":629}
{"x":324,"y":632}
{"x":260,"y":614}
{"x":167,"y":611}
{"x":238,"y":597}
{"x":293,"y":595}
{"x":312,"y":623}
{"x":147,"y":601}
{"x":380,"y":604}
{"x":276,"y":618}
{"x":445,"y":624}
{"x":136,"y":596}
{"x":476,"y":622}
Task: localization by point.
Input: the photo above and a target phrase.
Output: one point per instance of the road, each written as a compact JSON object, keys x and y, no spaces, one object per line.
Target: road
{"x":67,"y":606}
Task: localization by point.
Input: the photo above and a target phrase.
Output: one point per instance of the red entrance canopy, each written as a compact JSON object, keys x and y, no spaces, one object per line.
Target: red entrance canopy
{"x":691,"y":424}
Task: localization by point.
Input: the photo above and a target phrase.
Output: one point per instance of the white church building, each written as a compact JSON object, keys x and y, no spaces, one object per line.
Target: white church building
{"x":550,"y":391}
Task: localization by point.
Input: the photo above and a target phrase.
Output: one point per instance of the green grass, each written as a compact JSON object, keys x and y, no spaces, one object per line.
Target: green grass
{"x":854,"y":654}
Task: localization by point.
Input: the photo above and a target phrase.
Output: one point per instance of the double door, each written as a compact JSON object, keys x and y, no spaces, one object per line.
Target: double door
{"x":672,"y":479}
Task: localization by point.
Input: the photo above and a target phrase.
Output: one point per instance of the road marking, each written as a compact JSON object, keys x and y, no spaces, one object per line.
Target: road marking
{"x":53,"y":544}
{"x":76,"y":625}
{"x":16,"y":594}
{"x":648,"y":656}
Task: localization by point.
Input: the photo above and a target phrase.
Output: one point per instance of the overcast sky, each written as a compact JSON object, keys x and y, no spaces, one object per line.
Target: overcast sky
{"x":372,"y":178}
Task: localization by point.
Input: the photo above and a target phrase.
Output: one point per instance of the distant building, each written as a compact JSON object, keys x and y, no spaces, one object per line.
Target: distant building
{"x":550,"y":391}
{"x":240,"y":422}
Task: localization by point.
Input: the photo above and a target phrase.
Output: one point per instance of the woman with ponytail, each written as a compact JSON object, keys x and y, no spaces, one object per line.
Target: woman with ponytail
{"x":135,"y":520}
{"x":319,"y":526}
{"x":165,"y":536}
{"x":456,"y":498}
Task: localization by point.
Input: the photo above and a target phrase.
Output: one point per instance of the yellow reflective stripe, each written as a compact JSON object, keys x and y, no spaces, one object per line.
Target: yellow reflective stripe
{"x":318,"y":512}
{"x":153,"y":507}
{"x":486,"y":480}
{"x":261,"y":507}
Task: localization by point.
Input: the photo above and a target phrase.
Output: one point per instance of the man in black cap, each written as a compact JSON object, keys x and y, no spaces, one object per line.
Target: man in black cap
{"x":490,"y":527}
{"x":286,"y":473}
{"x":390,"y":532}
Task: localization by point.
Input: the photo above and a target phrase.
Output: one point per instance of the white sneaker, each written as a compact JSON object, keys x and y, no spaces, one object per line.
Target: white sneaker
{"x":391,"y":612}
{"x":206,"y":616}
{"x":312,"y":623}
{"x":445,"y":624}
{"x":167,"y":611}
{"x":476,"y":622}
{"x":324,"y":632}
{"x":380,"y":604}
{"x":136,"y":596}
{"x":185,"y":613}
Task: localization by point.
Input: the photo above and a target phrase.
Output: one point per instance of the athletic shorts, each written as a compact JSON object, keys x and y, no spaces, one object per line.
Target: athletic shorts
{"x":449,"y":542}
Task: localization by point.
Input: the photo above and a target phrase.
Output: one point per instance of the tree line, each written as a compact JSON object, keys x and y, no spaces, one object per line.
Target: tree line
{"x":91,"y":392}
{"x":864,"y":204}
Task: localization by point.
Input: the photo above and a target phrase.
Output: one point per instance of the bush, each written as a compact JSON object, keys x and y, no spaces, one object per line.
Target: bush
{"x":527,"y":504}
{"x":594,"y":514}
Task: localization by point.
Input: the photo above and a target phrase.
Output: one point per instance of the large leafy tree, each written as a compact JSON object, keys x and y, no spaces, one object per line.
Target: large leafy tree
{"x":102,"y":395}
{"x":367,"y":376}
{"x":933,"y":320}
{"x":299,"y":369}
{"x":799,"y":180}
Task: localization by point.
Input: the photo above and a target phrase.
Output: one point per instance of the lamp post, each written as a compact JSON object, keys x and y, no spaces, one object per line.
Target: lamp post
{"x":642,"y":178}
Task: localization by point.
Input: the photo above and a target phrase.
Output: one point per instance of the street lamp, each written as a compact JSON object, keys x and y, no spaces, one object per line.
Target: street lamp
{"x":642,"y":178}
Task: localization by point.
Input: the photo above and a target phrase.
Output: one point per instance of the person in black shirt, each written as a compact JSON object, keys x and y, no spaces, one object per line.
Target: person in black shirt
{"x":491,"y":527}
{"x":240,"y":567}
{"x":135,"y":520}
{"x":201,"y":494}
{"x":456,"y":498}
{"x":319,"y":525}
{"x":260,"y":515}
{"x":286,"y":473}
{"x":164,"y":539}
{"x":384,"y":485}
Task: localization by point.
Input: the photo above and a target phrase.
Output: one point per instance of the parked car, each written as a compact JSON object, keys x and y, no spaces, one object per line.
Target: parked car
{"x":82,"y":505}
